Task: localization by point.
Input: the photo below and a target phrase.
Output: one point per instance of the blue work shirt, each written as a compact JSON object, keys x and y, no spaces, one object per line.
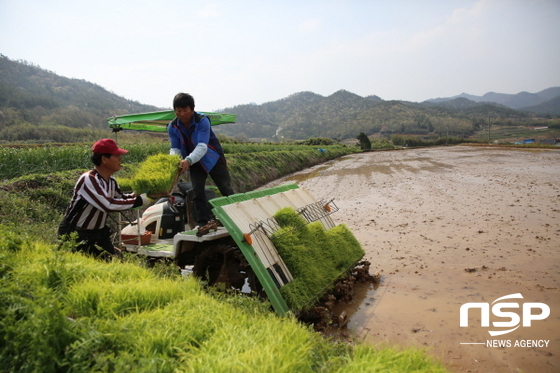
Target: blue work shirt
{"x":199,"y":131}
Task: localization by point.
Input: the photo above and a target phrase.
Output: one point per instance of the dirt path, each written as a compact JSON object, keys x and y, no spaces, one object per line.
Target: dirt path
{"x":448,"y":226}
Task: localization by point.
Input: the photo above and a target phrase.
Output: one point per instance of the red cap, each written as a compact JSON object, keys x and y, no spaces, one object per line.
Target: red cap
{"x":107,"y":146}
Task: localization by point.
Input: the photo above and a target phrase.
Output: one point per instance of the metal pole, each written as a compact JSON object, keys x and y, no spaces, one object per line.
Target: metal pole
{"x":488,"y":128}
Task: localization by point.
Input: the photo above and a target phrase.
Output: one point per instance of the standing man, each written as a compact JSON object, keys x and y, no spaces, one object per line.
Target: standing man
{"x":192,"y":138}
{"x":95,"y":195}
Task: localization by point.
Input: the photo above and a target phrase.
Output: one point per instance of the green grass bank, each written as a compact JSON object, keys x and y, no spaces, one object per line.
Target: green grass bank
{"x":66,"y":312}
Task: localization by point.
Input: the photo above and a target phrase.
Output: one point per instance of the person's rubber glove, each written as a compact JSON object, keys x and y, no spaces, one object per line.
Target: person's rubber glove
{"x":146,"y":201}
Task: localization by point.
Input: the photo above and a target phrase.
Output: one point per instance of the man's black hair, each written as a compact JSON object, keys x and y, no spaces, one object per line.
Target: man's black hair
{"x":182,"y":100}
{"x":96,"y":158}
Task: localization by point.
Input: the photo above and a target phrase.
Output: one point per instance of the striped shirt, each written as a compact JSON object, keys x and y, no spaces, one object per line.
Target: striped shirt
{"x":94,"y":198}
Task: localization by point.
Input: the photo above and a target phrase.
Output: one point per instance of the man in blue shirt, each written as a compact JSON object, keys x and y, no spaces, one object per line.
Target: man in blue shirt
{"x":192,"y":138}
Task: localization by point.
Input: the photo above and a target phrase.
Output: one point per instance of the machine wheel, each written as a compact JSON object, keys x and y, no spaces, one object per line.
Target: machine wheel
{"x":226,"y":264}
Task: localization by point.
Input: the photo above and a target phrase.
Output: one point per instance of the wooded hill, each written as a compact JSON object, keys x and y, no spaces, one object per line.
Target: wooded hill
{"x":343,"y":115}
{"x":37,"y":105}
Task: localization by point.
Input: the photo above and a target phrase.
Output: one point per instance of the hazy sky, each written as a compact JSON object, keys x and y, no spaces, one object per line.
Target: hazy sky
{"x":229,"y":52}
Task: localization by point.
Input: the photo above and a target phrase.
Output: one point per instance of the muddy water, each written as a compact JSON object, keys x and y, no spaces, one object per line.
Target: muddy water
{"x":449,"y":226}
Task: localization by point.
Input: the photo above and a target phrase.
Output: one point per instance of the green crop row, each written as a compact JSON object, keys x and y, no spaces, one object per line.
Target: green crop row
{"x":66,"y":312}
{"x":314,"y":256}
{"x":16,"y":162}
{"x":155,"y":175}
{"x":20,"y":161}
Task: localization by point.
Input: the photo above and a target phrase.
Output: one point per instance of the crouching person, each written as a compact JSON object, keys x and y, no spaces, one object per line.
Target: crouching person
{"x":95,"y":195}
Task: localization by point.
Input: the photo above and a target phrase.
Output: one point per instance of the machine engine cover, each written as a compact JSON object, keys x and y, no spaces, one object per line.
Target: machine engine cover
{"x":164,"y":219}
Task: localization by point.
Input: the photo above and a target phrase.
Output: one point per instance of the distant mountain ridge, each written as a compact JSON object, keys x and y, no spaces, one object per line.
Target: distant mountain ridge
{"x":520,"y":101}
{"x":38,"y":105}
{"x":343,"y":115}
{"x":551,"y":107}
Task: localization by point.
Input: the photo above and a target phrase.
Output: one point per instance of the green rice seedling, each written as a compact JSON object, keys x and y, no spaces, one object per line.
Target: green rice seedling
{"x":125,"y":176}
{"x":315,"y":257}
{"x":64,"y":311}
{"x":32,"y":203}
{"x":264,"y":344}
{"x":156,"y":174}
{"x":15,"y":162}
{"x":33,"y":329}
{"x":154,"y":340}
{"x":10,"y":242}
{"x":125,"y":183}
{"x":389,"y":359}
{"x":25,"y":160}
{"x":98,"y":297}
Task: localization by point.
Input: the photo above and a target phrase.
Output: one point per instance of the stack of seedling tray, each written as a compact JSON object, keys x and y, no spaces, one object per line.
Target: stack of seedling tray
{"x":291,"y":243}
